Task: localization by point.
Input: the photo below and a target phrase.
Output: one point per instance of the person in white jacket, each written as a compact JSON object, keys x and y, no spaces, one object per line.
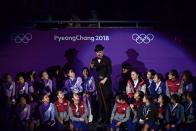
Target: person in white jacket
{"x":135,"y":84}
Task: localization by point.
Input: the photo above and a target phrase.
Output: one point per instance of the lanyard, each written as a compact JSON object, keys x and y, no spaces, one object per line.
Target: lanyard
{"x":174,"y":107}
{"x":157,"y":86}
{"x":146,"y":110}
{"x":188,"y":107}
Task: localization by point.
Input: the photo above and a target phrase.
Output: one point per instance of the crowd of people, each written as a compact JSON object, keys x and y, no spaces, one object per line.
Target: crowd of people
{"x":63,"y":100}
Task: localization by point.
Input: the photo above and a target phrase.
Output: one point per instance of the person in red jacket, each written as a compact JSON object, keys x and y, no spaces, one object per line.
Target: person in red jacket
{"x":78,"y":113}
{"x":61,"y":111}
{"x":135,"y":84}
{"x":173,"y":83}
{"x":120,"y":113}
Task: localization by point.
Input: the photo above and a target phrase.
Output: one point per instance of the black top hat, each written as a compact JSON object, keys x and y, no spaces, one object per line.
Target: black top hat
{"x":98,"y":47}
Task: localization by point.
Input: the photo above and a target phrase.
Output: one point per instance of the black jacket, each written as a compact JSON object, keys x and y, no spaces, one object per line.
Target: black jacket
{"x":104,"y":68}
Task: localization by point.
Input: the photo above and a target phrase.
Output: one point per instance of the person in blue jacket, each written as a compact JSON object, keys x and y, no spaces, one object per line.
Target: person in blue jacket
{"x":190,"y":112}
{"x":158,"y":87}
{"x":175,"y":116}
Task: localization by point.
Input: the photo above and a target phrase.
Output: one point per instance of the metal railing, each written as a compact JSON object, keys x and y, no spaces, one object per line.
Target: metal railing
{"x":99,"y":23}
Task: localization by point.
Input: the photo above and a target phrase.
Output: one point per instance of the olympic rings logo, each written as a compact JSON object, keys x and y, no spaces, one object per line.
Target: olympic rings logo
{"x":21,"y":37}
{"x":142,"y":38}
